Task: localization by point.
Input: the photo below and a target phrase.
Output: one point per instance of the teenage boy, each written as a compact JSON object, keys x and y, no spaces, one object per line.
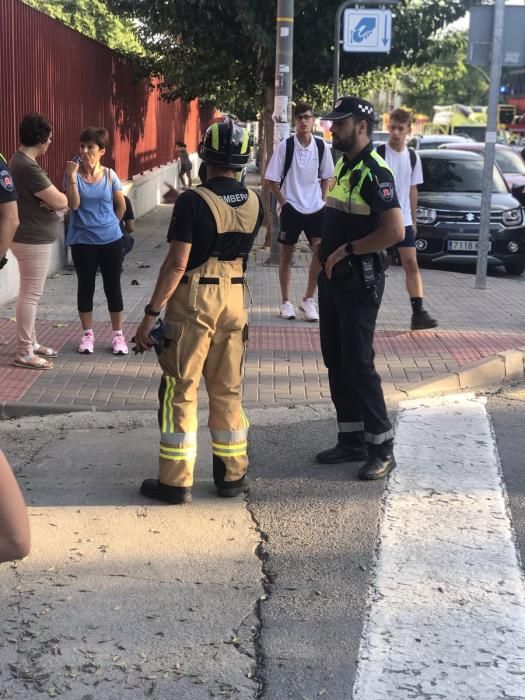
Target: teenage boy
{"x":298,"y":175}
{"x":408,"y":174}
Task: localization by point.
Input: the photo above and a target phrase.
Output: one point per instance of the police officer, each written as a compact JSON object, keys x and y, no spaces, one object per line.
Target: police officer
{"x":201,"y":281}
{"x":362,"y":218}
{"x":8,"y":210}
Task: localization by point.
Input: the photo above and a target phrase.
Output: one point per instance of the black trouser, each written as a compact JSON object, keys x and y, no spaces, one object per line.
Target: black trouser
{"x":87,"y":259}
{"x":347,"y":323}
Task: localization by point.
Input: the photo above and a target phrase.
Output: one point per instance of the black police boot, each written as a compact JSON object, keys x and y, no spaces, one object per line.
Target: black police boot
{"x":380,"y":462}
{"x":422,"y":320}
{"x":175,"y":495}
{"x":340,"y":453}
{"x":229,"y":489}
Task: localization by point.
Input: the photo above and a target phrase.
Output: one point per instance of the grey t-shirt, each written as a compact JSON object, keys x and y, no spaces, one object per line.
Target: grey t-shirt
{"x":37,"y":224}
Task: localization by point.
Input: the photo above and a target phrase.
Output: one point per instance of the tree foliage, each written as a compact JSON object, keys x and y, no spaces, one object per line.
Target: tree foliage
{"x":93,"y":19}
{"x":224,"y":50}
{"x":444,"y":79}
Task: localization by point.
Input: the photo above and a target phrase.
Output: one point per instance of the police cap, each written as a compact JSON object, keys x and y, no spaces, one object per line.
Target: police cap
{"x":350,"y":106}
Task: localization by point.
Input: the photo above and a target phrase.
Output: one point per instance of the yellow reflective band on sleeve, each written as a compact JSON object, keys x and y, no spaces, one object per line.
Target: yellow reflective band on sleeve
{"x":215,"y":136}
{"x":285,"y":19}
{"x":229,"y":450}
{"x":245,"y":141}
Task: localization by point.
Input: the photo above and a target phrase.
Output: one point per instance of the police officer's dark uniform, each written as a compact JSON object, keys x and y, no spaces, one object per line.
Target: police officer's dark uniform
{"x":349,"y":303}
{"x":7,"y":192}
{"x":206,"y":324}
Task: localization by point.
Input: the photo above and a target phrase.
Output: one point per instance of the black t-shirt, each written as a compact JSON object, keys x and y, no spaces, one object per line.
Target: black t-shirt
{"x":379,"y":192}
{"x":192,"y":222}
{"x":7,"y":187}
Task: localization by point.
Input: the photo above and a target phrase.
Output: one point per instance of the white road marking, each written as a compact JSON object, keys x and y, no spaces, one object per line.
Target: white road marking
{"x":447,"y":605}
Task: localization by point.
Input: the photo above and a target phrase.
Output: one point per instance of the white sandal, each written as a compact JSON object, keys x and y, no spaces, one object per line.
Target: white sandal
{"x":33,"y":362}
{"x":43,"y":351}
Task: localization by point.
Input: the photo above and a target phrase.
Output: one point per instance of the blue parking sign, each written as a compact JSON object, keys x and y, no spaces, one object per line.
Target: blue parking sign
{"x":367,"y":31}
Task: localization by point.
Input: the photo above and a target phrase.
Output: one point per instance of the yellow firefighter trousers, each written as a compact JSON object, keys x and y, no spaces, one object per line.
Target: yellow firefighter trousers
{"x":206,"y":332}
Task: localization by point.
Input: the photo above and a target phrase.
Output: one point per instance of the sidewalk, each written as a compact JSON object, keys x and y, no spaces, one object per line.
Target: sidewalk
{"x":284,"y":364}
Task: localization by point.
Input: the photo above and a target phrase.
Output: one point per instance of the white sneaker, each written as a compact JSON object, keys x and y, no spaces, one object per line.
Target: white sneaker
{"x":309,"y":309}
{"x":287,"y":311}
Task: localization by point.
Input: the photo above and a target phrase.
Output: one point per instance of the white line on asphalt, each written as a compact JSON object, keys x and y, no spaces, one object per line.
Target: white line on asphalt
{"x":447,"y":604}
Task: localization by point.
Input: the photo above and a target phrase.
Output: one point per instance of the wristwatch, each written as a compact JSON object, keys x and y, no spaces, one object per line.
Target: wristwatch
{"x":3,"y":261}
{"x":349,"y":249}
{"x":150,"y":311}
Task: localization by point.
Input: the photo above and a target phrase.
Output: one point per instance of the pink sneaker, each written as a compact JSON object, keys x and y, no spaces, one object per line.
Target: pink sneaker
{"x":119,"y":345}
{"x":86,"y":344}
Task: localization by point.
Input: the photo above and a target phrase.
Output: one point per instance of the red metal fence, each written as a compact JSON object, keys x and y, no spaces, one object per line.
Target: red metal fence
{"x":76,"y":82}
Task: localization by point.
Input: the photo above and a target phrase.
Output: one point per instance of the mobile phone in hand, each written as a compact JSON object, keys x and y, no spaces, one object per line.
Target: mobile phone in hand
{"x":76,"y":159}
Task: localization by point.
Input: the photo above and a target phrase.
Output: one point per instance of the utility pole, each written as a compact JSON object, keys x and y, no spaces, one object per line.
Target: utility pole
{"x":282,"y":106}
{"x":490,"y":144}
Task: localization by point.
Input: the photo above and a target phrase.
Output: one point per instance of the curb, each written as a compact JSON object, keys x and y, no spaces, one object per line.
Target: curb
{"x":492,"y":370}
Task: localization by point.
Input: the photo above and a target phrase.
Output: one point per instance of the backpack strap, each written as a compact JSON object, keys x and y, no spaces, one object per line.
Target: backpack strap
{"x":287,"y":158}
{"x":381,"y":150}
{"x":320,"y":151}
{"x":413,"y":157}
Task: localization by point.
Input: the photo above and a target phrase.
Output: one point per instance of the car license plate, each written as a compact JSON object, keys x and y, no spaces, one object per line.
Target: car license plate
{"x":465,"y":246}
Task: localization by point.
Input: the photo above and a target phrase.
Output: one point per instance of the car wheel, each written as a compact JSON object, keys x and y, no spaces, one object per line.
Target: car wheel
{"x":515,"y":268}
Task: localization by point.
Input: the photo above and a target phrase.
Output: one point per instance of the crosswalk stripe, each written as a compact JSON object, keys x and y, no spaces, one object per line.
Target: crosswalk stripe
{"x":446,"y":614}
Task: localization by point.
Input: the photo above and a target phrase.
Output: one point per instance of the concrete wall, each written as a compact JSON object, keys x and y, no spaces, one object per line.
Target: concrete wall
{"x":145,"y":192}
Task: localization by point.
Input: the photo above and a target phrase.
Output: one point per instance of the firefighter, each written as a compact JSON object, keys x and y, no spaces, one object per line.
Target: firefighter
{"x":202,"y":284}
{"x":362,"y":218}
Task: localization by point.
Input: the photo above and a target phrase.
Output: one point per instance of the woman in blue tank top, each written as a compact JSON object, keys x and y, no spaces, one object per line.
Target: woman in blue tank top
{"x":97,"y":204}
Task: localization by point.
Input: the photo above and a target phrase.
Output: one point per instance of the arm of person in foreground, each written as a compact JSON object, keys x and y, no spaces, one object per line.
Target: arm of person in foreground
{"x":52,"y":198}
{"x":413,"y":205}
{"x":15,"y":538}
{"x":119,"y":204}
{"x":170,"y":275}
{"x":8,"y":225}
{"x":391,"y":230}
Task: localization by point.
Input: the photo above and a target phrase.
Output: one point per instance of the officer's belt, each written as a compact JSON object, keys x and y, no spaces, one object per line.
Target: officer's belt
{"x":213,"y":280}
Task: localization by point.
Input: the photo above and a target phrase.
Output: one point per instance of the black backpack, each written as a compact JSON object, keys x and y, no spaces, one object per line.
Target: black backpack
{"x":381,"y":150}
{"x":289,"y":156}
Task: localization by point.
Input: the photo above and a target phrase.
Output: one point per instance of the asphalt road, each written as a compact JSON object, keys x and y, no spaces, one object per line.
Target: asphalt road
{"x":507,"y":411}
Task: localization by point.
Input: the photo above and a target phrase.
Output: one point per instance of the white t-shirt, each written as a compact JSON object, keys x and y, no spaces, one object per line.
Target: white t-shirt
{"x":404,"y":177}
{"x":301,"y":186}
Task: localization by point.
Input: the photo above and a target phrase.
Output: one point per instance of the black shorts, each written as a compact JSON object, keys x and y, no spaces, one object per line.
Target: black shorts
{"x":293,"y":223}
{"x":409,"y":240}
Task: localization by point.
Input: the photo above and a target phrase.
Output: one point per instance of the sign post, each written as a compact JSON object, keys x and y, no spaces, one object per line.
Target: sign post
{"x":368,"y":30}
{"x":490,"y":145}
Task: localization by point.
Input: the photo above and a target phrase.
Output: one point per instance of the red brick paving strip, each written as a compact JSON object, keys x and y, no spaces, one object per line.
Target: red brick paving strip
{"x":124,"y":381}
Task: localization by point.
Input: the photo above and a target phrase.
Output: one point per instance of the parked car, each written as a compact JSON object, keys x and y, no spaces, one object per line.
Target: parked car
{"x":510,"y":163}
{"x":435,"y":140}
{"x":380,"y":136}
{"x":448,"y":212}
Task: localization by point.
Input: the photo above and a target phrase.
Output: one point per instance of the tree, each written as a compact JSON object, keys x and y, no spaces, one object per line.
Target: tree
{"x":224,"y":50}
{"x":93,"y":19}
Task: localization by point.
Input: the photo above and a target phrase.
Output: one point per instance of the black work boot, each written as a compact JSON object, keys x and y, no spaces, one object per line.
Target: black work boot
{"x":340,"y":453}
{"x":380,"y":462}
{"x":175,"y":495}
{"x":229,"y":489}
{"x":422,"y":320}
